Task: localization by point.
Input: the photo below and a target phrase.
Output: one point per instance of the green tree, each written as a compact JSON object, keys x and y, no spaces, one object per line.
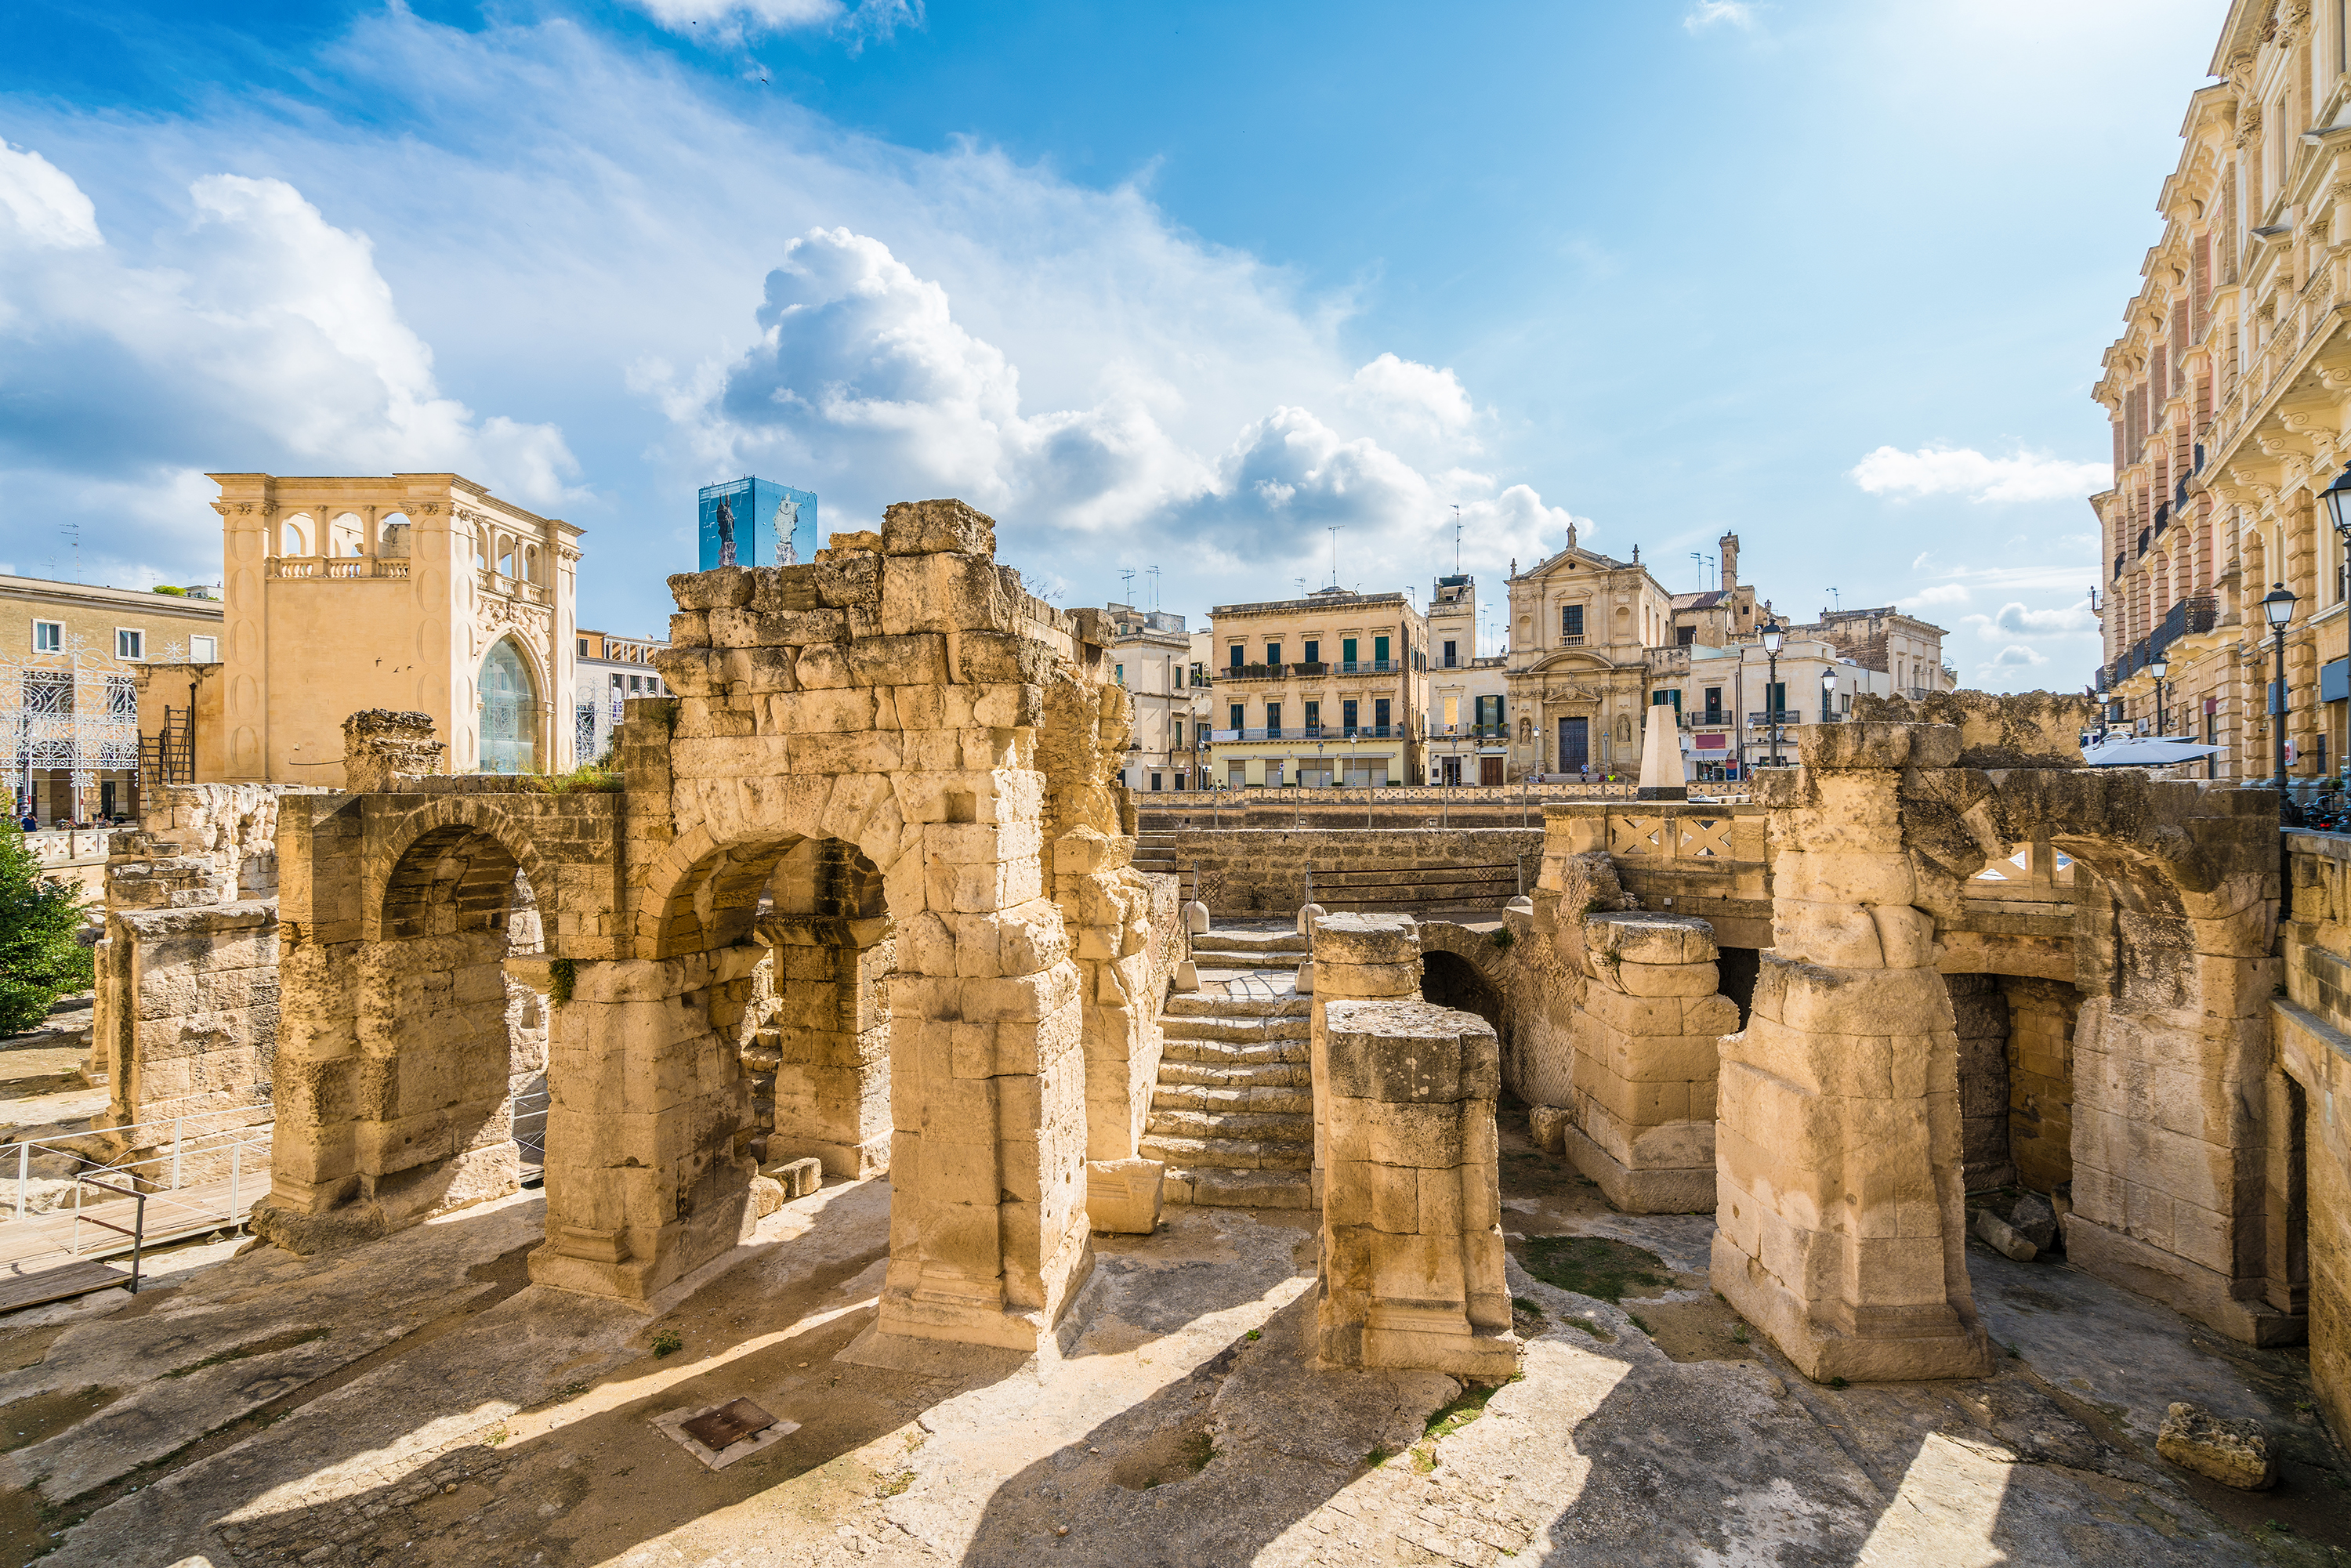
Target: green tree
{"x":40,"y":958}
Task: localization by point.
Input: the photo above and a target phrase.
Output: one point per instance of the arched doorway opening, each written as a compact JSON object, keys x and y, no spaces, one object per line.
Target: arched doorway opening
{"x":509,"y":710}
{"x":417,"y":1115}
{"x":816,"y":1041}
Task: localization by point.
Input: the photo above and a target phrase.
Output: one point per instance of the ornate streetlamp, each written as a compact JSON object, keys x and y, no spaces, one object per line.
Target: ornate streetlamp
{"x":2338,"y":498}
{"x":2158,"y":667}
{"x":1772,"y":637}
{"x":1828,"y":695}
{"x":2277,"y":609}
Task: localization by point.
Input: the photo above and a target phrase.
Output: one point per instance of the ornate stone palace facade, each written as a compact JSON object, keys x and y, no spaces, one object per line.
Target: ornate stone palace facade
{"x":418,"y":593}
{"x":2230,"y":392}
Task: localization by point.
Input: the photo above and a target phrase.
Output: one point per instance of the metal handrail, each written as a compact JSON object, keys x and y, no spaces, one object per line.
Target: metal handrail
{"x":138,"y":1233}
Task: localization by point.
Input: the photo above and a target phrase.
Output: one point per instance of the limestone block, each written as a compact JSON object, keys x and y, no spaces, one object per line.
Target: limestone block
{"x":1002,"y":656}
{"x":1547,"y":1127}
{"x":2002,"y":1238}
{"x":797,"y":1178}
{"x":1339,"y":980}
{"x":1661,"y":979}
{"x":1125,"y":1196}
{"x":1644,"y":938}
{"x":903,"y":661}
{"x":942,"y":592}
{"x":726,"y":586}
{"x":2234,"y":1453}
{"x":1366,"y":940}
{"x":926,"y":527}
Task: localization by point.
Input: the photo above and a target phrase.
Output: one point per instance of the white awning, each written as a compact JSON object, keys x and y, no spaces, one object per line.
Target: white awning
{"x":2153,"y":751}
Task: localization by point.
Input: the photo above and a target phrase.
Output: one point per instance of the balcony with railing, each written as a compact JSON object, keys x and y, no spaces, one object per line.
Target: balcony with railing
{"x":1304,"y":668}
{"x":1780,"y":715}
{"x":294,"y":566}
{"x":1314,"y":732}
{"x":2196,"y":613}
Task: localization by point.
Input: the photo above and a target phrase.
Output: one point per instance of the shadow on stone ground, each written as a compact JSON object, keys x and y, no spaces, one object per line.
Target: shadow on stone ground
{"x":455,"y":1415}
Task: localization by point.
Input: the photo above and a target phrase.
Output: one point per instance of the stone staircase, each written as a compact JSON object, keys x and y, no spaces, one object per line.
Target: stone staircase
{"x":1156,"y":852}
{"x":1267,"y":949}
{"x":1233,"y":1112}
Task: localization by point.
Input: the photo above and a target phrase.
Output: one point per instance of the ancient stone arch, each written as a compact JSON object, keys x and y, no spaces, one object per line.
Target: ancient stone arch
{"x":901,"y":697}
{"x":1840,"y":1203}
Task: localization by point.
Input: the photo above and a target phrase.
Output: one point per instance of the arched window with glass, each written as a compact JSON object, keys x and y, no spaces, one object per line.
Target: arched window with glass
{"x":509,"y":711}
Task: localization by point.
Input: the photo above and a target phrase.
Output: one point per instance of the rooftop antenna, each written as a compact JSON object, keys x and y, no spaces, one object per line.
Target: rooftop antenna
{"x":1335,"y":529}
{"x":1700,"y":557}
{"x":1153,"y":574}
{"x":72,"y":532}
{"x":1302,"y":586}
{"x":1834,"y":604}
{"x":1126,"y":585}
{"x":1457,"y":539}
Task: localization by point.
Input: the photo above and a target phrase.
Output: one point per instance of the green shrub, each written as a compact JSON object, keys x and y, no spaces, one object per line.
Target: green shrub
{"x":40,"y":958}
{"x":174,"y":592}
{"x":561,"y":975}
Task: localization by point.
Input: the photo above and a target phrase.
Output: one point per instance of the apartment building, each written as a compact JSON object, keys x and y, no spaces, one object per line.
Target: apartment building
{"x":70,"y":654}
{"x":1468,"y":693}
{"x":1151,"y":656}
{"x":1329,"y":689}
{"x":2226,"y":393}
{"x":607,"y":672}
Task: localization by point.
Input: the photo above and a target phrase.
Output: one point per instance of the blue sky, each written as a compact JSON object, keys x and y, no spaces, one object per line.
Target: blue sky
{"x":1172,"y":287}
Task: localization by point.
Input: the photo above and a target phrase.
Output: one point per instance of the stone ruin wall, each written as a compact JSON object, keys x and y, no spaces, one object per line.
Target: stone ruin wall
{"x":903,"y":699}
{"x":2309,"y":1114}
{"x":1260,"y":873}
{"x":186,"y":1020}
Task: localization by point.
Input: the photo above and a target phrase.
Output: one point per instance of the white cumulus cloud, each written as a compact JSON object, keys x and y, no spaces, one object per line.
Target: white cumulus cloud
{"x":2014,"y":619}
{"x":1939,"y":594}
{"x":1412,"y":400}
{"x":863,"y":382}
{"x":262,"y":336}
{"x":1707,"y":13}
{"x":1964,"y":470}
{"x":2016,"y":655}
{"x":42,"y":206}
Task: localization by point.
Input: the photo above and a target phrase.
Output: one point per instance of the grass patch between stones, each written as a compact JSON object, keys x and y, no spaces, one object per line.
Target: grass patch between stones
{"x":1594,"y":1266}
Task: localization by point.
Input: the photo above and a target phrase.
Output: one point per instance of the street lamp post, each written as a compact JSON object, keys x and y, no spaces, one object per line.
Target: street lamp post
{"x":2105,"y":698}
{"x":2158,"y":667}
{"x":2277,"y":609}
{"x":1828,"y":695}
{"x":1772,"y":636}
{"x":2338,"y":498}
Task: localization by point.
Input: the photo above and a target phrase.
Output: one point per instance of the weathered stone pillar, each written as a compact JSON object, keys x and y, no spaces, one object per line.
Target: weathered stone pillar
{"x":1642,"y":1124}
{"x":988,"y":1096}
{"x":1357,"y":957}
{"x":1123,"y":974}
{"x":827,"y":1044}
{"x":314,"y":1152}
{"x":1412,"y":1234}
{"x":1840,"y":1202}
{"x":647,"y":1175}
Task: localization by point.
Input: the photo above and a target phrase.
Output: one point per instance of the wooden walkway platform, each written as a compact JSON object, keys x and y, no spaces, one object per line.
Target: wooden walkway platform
{"x":41,"y":1245}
